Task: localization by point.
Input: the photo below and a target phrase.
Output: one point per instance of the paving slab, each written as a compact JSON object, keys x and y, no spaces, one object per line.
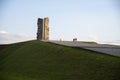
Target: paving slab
{"x":103,"y":48}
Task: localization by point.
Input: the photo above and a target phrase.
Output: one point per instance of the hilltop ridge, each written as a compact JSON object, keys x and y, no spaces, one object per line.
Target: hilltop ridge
{"x":37,"y":60}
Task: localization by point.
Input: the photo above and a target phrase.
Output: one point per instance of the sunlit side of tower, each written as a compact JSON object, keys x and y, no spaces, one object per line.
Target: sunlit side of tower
{"x":46,"y":28}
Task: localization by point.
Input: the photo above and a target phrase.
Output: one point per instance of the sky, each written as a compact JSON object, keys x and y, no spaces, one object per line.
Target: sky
{"x":86,"y":20}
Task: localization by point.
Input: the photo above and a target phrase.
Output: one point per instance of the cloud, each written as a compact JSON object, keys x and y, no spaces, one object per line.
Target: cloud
{"x":115,"y":42}
{"x":93,"y":38}
{"x":3,"y":32}
{"x":6,"y":37}
{"x":97,"y":39}
{"x":90,"y":37}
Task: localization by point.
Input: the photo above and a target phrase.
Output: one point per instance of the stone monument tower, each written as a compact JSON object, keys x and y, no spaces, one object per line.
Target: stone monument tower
{"x":43,"y":29}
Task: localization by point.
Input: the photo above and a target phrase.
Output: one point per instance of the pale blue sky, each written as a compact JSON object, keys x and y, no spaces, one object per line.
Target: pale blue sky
{"x":86,"y":20}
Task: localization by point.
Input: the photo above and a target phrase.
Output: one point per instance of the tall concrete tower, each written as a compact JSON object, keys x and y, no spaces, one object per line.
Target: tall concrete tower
{"x":43,"y":29}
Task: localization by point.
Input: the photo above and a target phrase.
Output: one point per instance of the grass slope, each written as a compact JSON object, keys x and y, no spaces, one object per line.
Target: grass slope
{"x":36,"y":60}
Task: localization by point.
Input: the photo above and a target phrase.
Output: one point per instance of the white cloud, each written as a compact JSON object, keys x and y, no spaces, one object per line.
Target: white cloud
{"x":6,"y":37}
{"x":116,"y":42}
{"x":3,"y":32}
{"x":89,"y":37}
{"x":96,"y":39}
{"x":93,"y":38}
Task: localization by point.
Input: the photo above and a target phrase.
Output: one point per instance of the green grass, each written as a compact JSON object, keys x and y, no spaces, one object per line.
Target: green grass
{"x":36,"y":60}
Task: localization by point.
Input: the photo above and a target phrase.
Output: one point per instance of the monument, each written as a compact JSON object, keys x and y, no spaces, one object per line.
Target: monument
{"x":43,"y":29}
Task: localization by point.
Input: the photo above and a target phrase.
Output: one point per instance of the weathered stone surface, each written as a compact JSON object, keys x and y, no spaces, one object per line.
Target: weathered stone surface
{"x":43,"y":29}
{"x":46,"y":29}
{"x":40,"y":29}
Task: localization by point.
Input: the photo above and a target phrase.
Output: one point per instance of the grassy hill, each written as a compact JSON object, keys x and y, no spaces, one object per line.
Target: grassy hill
{"x":36,"y":60}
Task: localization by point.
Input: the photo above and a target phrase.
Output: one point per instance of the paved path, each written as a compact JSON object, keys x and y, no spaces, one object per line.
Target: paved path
{"x":104,"y":48}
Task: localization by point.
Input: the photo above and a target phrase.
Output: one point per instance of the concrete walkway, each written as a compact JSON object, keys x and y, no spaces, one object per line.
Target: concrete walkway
{"x":103,"y":48}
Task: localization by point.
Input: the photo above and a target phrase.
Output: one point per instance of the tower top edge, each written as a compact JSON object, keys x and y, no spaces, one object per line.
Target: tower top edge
{"x":46,"y":18}
{"x":40,"y":18}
